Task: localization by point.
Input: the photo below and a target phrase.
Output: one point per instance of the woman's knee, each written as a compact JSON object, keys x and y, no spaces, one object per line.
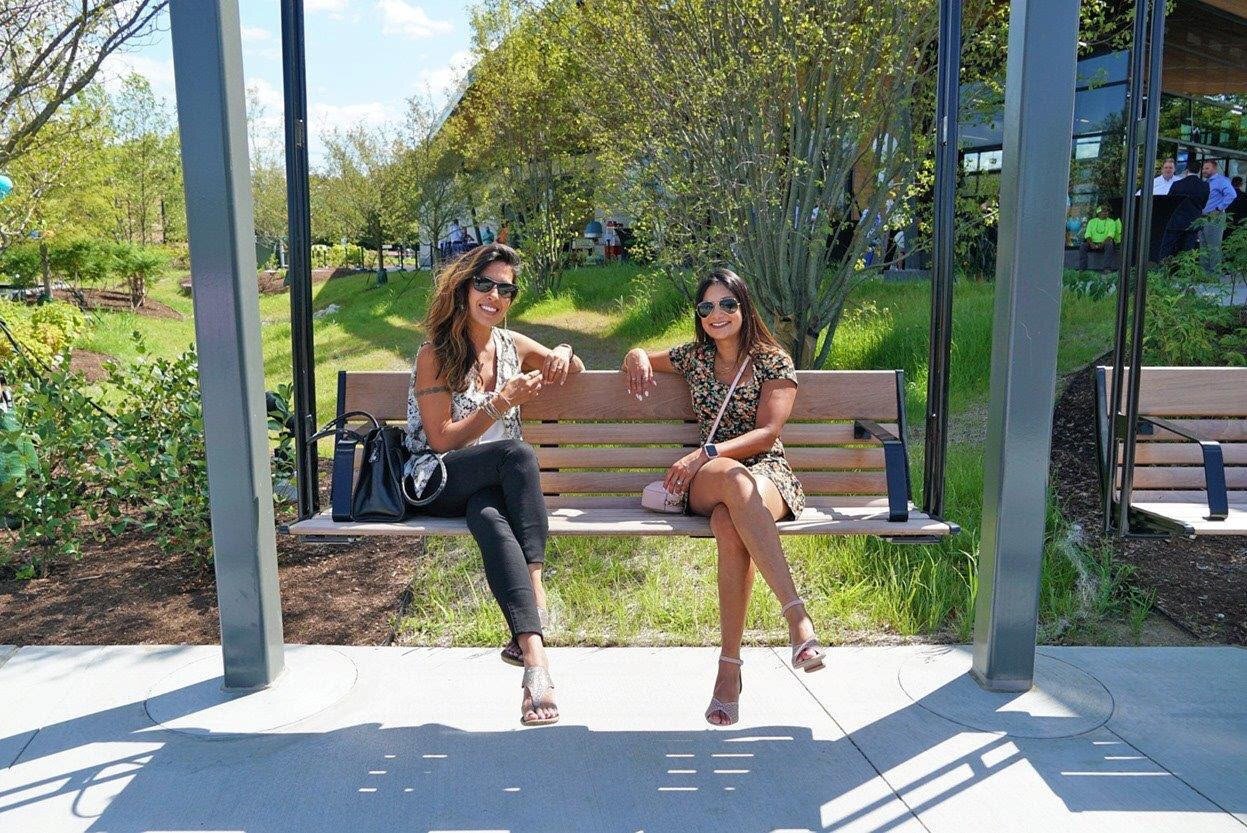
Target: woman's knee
{"x":734,"y":485}
{"x":517,"y":453}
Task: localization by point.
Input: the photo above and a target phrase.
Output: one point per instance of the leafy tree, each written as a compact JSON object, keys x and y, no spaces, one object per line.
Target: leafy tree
{"x":147,"y":172}
{"x":522,"y":119}
{"x":361,"y":163}
{"x":425,"y":174}
{"x":50,"y":50}
{"x":268,"y":174}
{"x":763,"y":133}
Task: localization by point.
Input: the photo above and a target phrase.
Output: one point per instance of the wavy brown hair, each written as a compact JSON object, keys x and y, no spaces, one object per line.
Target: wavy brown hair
{"x":446,"y":322}
{"x":753,"y":337}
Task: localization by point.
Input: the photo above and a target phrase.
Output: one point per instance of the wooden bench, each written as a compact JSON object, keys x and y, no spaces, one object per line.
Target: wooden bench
{"x":598,"y":447}
{"x":1190,"y":474}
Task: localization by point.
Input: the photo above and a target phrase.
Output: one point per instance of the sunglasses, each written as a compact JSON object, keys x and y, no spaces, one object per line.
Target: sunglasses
{"x":484,"y":286}
{"x":728,"y":305}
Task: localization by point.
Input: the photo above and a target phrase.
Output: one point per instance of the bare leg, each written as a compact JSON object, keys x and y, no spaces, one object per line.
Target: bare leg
{"x":735,"y":584}
{"x":753,"y":505}
{"x":539,"y":589}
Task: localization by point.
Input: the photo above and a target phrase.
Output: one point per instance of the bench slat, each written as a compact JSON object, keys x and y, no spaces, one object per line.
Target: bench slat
{"x":1178,"y":496}
{"x":1182,"y":477}
{"x":609,"y":482}
{"x":1221,"y":430}
{"x":661,"y":458}
{"x":675,"y":433}
{"x":1183,"y":454}
{"x":601,"y":394}
{"x":597,"y":519}
{"x":1193,"y":515}
{"x":1190,"y":391}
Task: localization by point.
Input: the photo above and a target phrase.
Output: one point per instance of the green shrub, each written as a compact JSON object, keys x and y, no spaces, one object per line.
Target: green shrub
{"x":82,"y":261}
{"x":139,"y":266}
{"x":43,"y":331}
{"x":21,"y":264}
{"x":1183,"y":327}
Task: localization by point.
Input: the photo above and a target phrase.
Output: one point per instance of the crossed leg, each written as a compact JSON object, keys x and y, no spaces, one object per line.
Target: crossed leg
{"x":743,"y":509}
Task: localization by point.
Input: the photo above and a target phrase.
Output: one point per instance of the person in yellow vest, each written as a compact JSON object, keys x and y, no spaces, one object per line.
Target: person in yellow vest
{"x":1103,"y":234}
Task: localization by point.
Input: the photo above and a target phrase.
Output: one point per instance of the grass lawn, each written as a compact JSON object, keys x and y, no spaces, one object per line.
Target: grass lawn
{"x":662,"y":591}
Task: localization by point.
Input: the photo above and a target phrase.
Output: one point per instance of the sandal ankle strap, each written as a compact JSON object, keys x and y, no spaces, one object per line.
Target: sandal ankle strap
{"x":731,"y":660}
{"x":791,"y":605}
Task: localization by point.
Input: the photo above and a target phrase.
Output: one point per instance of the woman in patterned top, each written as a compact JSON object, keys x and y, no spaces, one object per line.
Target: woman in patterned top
{"x":470,"y":378}
{"x":739,"y":477}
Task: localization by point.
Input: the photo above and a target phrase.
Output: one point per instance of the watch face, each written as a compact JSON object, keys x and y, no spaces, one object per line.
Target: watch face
{"x":711,"y":451}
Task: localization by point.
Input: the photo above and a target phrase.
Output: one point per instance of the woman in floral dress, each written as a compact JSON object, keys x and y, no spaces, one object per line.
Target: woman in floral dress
{"x":739,"y":478}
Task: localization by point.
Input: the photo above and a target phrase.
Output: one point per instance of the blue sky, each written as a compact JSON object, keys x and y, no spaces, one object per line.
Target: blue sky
{"x":364,"y":59}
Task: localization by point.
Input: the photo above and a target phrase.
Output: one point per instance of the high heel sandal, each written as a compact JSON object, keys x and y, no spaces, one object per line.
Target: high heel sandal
{"x":810,"y":663}
{"x":729,"y":710}
{"x":511,"y":654}
{"x":538,"y":684}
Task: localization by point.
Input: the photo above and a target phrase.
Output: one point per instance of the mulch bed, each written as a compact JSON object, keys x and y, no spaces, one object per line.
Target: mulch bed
{"x":112,"y":300}
{"x":271,"y":282}
{"x":1201,"y":585}
{"x":126,"y":591}
{"x":90,"y":364}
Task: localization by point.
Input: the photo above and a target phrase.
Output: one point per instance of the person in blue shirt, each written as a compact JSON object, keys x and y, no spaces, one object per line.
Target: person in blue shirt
{"x":1220,"y":194}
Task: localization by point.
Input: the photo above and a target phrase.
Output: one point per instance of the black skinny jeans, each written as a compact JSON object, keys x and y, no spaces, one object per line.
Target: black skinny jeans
{"x":496,"y":486}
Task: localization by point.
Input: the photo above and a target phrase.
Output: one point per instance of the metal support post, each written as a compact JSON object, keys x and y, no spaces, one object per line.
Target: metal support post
{"x":1038,"y":129}
{"x":212,"y":119}
{"x":947,"y":106}
{"x":299,"y":273}
{"x":1156,"y":43}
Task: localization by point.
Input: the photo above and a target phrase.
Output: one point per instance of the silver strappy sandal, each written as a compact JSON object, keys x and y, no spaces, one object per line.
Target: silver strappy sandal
{"x":538,"y":684}
{"x":511,"y":654}
{"x":729,"y":710}
{"x":814,"y":662}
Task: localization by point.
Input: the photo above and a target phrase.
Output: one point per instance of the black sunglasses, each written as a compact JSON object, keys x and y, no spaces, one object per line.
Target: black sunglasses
{"x":484,"y":285}
{"x":728,"y":305}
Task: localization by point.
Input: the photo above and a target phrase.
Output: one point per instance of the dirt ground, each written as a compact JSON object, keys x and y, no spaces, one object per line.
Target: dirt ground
{"x":1200,"y":585}
{"x":114,"y":300}
{"x":126,"y":591}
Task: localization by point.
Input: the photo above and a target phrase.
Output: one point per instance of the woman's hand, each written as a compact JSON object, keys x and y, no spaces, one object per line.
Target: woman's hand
{"x":680,"y":476}
{"x":520,"y":389}
{"x":640,"y":372}
{"x":557,"y":365}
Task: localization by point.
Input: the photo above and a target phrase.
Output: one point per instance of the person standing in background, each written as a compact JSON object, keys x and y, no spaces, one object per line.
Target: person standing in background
{"x":1220,"y":195}
{"x":1179,"y":236}
{"x":1238,"y":208}
{"x":1164,"y":180}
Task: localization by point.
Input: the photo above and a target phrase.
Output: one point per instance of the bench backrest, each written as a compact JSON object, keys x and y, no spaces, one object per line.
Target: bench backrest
{"x":1210,"y":401}
{"x":593,"y":438}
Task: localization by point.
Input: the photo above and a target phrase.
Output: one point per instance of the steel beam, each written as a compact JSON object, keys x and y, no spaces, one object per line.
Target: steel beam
{"x":947,"y":108}
{"x":1038,"y":130}
{"x":212,"y":120}
{"x":299,"y":273}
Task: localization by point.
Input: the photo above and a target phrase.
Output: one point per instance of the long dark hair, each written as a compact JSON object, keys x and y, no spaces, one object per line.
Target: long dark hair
{"x":753,"y":337}
{"x":446,"y":322}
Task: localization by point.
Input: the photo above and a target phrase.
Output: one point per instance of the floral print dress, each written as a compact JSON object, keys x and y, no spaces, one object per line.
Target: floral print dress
{"x":695,"y":362}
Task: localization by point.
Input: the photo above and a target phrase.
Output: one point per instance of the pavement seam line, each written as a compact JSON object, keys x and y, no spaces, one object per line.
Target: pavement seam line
{"x":1189,"y":785}
{"x":849,"y":737}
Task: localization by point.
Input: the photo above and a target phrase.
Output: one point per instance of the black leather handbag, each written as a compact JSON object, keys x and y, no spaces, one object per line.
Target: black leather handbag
{"x":377,"y":493}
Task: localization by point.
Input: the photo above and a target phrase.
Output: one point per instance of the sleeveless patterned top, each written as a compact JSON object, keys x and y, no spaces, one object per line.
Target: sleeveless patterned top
{"x":423,"y":462}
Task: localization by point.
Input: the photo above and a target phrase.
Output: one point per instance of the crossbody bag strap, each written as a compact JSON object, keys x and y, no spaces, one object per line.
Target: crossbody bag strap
{"x":726,"y":399}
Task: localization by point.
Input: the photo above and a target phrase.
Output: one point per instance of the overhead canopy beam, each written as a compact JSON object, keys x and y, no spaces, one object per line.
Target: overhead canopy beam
{"x":212,"y":121}
{"x":1038,"y":130}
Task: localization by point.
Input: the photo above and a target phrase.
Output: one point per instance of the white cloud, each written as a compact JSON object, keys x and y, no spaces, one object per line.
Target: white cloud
{"x":333,"y":7}
{"x":442,"y":82}
{"x":255,"y":34}
{"x":398,"y":17}
{"x":158,"y":72}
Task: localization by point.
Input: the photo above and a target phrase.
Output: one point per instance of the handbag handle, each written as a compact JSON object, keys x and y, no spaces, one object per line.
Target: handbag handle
{"x":332,"y":426}
{"x":726,"y":399}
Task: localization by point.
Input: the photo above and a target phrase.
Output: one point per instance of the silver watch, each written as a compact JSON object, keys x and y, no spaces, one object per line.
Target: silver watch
{"x":711,"y":451}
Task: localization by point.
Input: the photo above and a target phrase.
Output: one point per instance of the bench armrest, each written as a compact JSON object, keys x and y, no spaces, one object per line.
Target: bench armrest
{"x":1214,"y":465}
{"x":894,"y":464}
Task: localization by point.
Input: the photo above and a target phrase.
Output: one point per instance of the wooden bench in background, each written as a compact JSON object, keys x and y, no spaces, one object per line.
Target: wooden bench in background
{"x":1190,"y":474}
{"x":598,"y":447}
